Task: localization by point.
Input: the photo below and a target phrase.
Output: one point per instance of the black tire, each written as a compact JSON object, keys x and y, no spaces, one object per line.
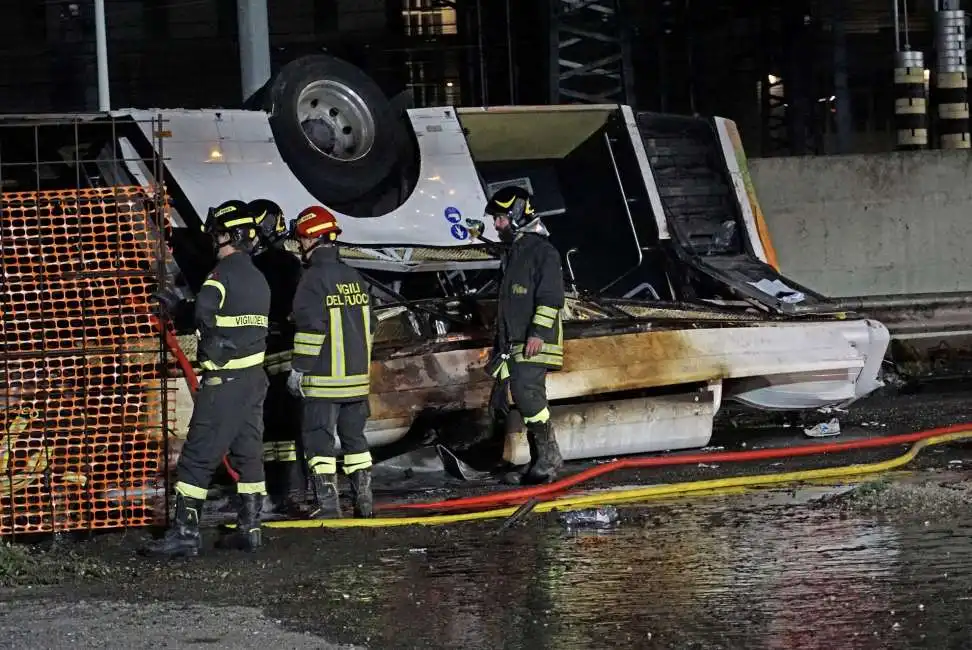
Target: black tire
{"x":333,"y":180}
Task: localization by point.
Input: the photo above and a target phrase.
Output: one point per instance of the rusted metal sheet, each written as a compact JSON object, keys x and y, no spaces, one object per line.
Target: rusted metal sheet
{"x":402,"y":388}
{"x":455,"y":380}
{"x":412,"y":376}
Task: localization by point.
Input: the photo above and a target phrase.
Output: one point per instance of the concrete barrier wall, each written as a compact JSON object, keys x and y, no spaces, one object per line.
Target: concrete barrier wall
{"x":871,"y":224}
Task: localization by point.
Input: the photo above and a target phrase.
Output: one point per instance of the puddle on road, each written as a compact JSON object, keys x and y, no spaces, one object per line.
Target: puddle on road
{"x":688,"y":574}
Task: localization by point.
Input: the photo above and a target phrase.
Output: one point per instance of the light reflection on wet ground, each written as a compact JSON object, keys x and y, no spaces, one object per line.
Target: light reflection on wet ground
{"x":690,"y":575}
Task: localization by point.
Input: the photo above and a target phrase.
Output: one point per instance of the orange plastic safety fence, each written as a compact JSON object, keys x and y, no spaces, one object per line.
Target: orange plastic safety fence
{"x":82,"y":423}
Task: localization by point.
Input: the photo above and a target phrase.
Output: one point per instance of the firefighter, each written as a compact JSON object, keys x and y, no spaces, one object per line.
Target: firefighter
{"x":331,"y":364}
{"x":529,"y":332}
{"x":231,"y":319}
{"x":286,"y":481}
{"x":271,"y":225}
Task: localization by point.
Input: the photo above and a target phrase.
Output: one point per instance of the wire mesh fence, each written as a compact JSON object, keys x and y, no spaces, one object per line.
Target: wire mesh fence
{"x":84,"y":399}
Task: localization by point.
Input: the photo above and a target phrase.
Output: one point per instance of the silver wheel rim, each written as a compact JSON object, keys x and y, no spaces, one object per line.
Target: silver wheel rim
{"x":336,"y":120}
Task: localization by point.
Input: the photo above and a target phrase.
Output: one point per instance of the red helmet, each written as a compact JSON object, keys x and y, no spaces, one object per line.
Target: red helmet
{"x":316,"y":222}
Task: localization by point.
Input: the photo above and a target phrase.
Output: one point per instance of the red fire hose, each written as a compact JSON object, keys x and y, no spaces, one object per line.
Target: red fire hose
{"x":546,"y":492}
{"x":172,"y":342}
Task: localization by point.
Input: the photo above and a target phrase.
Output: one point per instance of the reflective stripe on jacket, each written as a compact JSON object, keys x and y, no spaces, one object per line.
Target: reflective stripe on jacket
{"x":232,"y":310}
{"x":334,"y":321}
{"x":531,"y":298}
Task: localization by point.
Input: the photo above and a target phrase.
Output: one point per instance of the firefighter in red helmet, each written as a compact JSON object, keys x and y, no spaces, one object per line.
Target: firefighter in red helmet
{"x":335,"y":322}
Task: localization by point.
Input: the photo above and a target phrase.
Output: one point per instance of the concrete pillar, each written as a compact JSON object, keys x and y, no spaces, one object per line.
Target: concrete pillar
{"x":910,"y":107}
{"x":951,"y":79}
{"x":254,"y":30}
{"x":101,"y":56}
{"x":841,"y":86}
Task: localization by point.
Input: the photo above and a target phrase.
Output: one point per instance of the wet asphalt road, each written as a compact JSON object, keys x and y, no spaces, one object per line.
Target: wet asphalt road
{"x":814,"y":567}
{"x":764,"y":570}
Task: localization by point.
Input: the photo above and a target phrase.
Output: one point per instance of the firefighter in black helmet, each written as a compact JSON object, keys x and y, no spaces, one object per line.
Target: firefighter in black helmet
{"x":271,"y":225}
{"x":529,"y":332}
{"x":282,"y":450}
{"x":231,"y":320}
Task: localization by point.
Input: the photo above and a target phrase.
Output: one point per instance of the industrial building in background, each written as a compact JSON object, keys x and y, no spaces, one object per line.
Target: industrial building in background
{"x":797,"y":76}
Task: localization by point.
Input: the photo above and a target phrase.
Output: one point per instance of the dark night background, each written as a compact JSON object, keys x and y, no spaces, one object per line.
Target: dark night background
{"x":684,"y":56}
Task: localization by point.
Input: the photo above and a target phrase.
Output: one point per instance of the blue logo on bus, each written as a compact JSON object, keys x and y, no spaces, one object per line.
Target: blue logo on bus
{"x":459,"y":232}
{"x":452,"y":215}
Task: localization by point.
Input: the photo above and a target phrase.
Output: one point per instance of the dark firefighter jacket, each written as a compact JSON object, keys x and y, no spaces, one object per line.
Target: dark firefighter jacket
{"x":531,"y":298}
{"x":231,"y":315}
{"x":335,"y":322}
{"x":282,"y":271}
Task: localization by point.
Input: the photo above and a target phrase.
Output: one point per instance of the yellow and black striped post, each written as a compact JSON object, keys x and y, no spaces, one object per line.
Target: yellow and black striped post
{"x":951,"y":80}
{"x":910,"y":105}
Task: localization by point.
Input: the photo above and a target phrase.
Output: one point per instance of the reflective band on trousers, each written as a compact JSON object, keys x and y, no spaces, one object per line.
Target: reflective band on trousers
{"x":236,"y":364}
{"x":323,"y":465}
{"x":191,"y":491}
{"x":541,"y":417}
{"x":251,"y":488}
{"x":355,"y":462}
{"x":281,"y":451}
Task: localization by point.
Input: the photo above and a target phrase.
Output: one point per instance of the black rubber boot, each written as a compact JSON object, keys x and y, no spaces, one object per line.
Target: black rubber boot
{"x":183,"y":538}
{"x":291,"y":502}
{"x":364,"y":505}
{"x":545,"y":452}
{"x":248,"y":536}
{"x":328,"y":501}
{"x":517,"y":475}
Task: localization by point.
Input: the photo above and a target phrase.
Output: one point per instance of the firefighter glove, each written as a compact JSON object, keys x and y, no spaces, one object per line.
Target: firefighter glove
{"x":294,"y":383}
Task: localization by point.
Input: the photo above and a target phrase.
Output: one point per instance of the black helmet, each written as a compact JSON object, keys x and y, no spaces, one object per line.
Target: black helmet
{"x":270,"y":223}
{"x":232,"y":217}
{"x":512,"y":202}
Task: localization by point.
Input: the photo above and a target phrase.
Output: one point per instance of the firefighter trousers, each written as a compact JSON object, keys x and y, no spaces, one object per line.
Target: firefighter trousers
{"x":282,"y":445}
{"x":321,"y":418}
{"x":528,"y":386}
{"x":227,"y":417}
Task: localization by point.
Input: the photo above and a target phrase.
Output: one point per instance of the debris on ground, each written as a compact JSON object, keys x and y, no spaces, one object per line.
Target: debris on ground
{"x":25,"y":565}
{"x":826,"y":410}
{"x":931,"y":498}
{"x":824,"y":429}
{"x":602,"y":517}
